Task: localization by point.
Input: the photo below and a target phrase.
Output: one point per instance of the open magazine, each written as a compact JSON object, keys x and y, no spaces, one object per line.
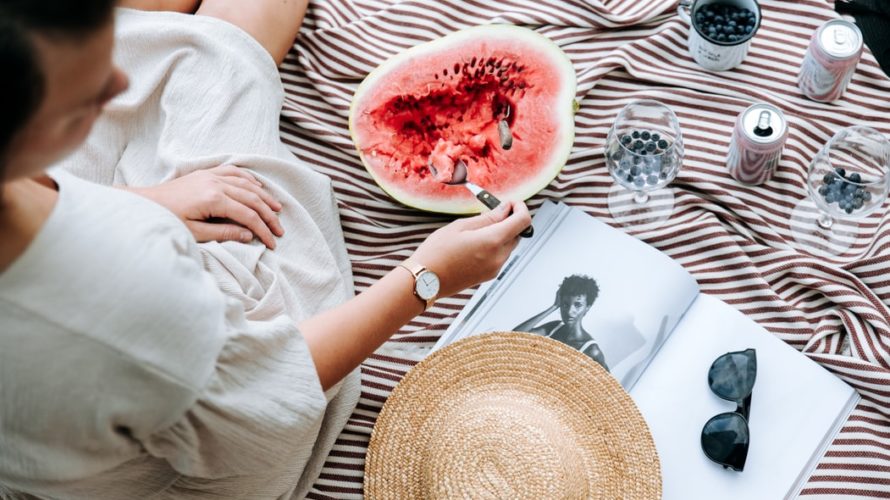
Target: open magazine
{"x":640,"y":315}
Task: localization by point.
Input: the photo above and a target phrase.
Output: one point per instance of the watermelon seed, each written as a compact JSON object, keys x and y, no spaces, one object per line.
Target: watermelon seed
{"x":473,"y":62}
{"x":445,"y":72}
{"x":505,"y":135}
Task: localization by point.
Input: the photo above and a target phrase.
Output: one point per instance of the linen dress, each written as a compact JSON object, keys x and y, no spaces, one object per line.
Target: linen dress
{"x":137,"y":363}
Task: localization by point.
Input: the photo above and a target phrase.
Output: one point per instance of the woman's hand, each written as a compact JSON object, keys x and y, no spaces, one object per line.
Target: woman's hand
{"x":472,"y":250}
{"x":226,"y":192}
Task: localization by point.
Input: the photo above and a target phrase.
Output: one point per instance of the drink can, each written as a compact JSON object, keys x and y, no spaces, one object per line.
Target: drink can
{"x":756,"y":145}
{"x":830,"y":61}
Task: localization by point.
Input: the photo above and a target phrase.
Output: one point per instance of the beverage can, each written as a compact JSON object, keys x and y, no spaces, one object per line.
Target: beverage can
{"x":830,"y":60}
{"x":757,"y":142}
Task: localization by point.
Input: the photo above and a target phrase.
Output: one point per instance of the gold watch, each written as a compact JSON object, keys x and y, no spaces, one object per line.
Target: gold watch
{"x":426,"y":282}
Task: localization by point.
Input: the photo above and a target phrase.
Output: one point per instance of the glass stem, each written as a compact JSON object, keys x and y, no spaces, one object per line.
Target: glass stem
{"x":825,"y":221}
{"x":641,"y":197}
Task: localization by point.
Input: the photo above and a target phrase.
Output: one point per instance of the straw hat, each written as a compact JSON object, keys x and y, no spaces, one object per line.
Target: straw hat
{"x":512,"y":416}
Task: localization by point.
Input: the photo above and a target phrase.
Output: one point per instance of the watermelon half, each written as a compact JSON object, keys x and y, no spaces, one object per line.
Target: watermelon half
{"x":445,"y":101}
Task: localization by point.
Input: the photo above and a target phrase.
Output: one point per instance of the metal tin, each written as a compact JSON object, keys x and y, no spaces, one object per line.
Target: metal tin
{"x":830,"y":61}
{"x":713,"y":55}
{"x":757,"y":142}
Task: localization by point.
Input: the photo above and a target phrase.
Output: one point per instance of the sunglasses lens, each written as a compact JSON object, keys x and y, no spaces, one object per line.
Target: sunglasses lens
{"x":724,"y":439}
{"x":732,"y":375}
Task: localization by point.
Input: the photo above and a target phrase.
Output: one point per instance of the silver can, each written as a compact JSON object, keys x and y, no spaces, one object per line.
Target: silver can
{"x":830,"y":61}
{"x":757,"y":142}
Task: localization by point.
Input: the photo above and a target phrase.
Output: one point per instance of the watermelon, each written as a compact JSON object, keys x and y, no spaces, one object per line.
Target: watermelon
{"x":499,"y":98}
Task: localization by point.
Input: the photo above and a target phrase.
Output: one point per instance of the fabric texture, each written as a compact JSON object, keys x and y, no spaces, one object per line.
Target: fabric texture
{"x":734,"y":239}
{"x":179,"y":366}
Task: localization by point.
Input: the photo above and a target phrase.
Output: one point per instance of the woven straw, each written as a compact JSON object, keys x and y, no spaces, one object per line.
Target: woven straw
{"x":511,"y":416}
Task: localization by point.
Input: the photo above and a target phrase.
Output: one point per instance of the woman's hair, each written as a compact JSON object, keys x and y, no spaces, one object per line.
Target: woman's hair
{"x":22,"y":87}
{"x":579,"y":284}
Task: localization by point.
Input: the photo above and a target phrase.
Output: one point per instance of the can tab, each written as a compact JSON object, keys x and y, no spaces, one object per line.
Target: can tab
{"x":840,"y":37}
{"x":763,"y":128}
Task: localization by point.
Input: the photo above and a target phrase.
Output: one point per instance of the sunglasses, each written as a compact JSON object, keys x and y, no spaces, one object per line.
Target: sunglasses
{"x":725,"y":437}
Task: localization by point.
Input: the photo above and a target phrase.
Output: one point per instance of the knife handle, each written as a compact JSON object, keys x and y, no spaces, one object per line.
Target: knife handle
{"x":490,"y":201}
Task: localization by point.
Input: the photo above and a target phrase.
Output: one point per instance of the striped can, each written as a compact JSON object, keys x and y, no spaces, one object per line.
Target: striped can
{"x":830,"y":61}
{"x":757,"y":142}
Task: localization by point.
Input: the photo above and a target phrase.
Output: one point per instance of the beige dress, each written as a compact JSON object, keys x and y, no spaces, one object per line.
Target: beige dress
{"x":136,"y":363}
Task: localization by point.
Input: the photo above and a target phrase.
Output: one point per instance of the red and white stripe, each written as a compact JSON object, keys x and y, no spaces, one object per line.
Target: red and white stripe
{"x":734,"y":239}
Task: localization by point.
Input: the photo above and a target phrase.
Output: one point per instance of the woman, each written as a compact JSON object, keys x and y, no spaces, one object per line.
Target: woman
{"x":135,"y":361}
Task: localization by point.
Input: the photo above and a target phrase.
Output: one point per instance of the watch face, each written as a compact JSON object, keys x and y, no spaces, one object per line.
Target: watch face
{"x":427,"y":285}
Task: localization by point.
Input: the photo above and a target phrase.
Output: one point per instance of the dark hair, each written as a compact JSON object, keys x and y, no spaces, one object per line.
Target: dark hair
{"x":21,"y":91}
{"x":579,"y":284}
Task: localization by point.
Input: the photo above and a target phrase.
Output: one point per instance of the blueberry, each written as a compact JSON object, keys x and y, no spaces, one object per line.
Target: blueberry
{"x":638,"y":144}
{"x":637,"y":160}
{"x":830,"y":198}
{"x":635,"y":134}
{"x":855,"y":178}
{"x":749,"y":29}
{"x":626,"y":139}
{"x":663,"y":144}
{"x":718,"y":19}
{"x":651,"y":147}
{"x":639,"y":182}
{"x":841,"y":172}
{"x":645,"y":136}
{"x":629,"y":178}
{"x":823,"y":190}
{"x":732,"y":24}
{"x":635,"y":171}
{"x":652,"y":179}
{"x":733,"y":38}
{"x":625,"y":163}
{"x":663,"y":175}
{"x":828,"y":179}
{"x":849,"y":209}
{"x":647,"y":170}
{"x":857,"y":203}
{"x":721,"y":37}
{"x":656,"y":137}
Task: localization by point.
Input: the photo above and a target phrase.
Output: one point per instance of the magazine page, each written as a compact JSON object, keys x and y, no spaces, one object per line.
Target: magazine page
{"x":796,"y":408}
{"x":586,"y":284}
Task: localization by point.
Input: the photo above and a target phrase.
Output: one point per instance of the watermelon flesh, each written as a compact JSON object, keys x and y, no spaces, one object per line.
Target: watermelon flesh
{"x":444,"y":101}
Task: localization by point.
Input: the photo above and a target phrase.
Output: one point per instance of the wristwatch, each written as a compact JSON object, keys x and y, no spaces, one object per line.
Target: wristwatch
{"x":426,"y":282}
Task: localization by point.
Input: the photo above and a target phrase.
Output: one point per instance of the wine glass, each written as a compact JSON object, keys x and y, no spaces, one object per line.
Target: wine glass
{"x":847,"y":181}
{"x":644,"y":152}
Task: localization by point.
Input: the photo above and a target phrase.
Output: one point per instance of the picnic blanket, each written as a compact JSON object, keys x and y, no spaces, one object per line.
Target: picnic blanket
{"x":734,"y":239}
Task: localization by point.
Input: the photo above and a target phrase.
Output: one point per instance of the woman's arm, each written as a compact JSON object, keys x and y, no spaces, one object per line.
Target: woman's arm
{"x":529,"y":324}
{"x":463,"y":254}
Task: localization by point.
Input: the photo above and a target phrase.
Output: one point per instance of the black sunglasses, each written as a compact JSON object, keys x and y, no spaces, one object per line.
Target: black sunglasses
{"x":725,"y":437}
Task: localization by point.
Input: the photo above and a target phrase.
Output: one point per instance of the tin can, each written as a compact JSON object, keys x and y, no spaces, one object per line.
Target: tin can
{"x":757,"y":142}
{"x":830,"y":61}
{"x":712,"y":54}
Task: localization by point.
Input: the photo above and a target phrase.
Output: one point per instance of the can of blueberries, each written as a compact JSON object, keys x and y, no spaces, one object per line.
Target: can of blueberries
{"x":757,"y":142}
{"x":720,"y":31}
{"x":830,"y":61}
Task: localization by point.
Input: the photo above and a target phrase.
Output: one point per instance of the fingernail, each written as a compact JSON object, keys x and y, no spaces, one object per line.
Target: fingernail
{"x":246,"y":236}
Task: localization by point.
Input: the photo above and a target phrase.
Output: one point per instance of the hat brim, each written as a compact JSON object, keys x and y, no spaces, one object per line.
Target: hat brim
{"x":510,"y":415}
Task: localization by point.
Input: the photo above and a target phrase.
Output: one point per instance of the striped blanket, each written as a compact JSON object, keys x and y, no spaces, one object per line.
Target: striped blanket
{"x":734,"y":239}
